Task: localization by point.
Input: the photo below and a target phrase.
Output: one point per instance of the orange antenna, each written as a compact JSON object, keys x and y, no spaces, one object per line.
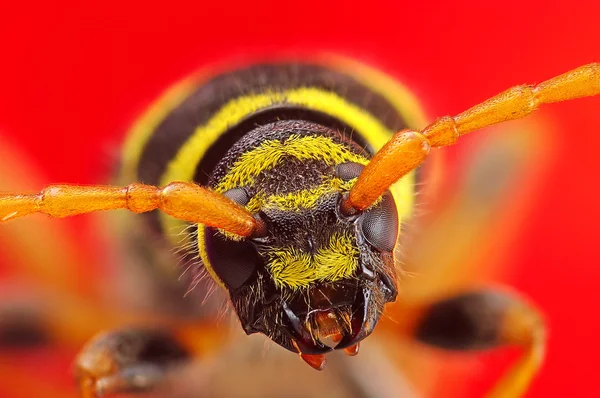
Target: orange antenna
{"x":408,"y":149}
{"x":183,"y":200}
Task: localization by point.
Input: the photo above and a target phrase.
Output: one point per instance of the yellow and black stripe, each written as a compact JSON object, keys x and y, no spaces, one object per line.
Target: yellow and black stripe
{"x":191,"y":128}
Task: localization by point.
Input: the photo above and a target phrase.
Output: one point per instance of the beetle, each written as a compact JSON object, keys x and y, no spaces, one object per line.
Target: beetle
{"x":293,"y":179}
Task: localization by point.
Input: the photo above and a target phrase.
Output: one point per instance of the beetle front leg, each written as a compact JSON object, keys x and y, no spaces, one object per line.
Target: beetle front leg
{"x":128,"y":361}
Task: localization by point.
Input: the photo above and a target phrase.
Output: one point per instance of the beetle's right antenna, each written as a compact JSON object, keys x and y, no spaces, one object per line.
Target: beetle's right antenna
{"x":183,"y":200}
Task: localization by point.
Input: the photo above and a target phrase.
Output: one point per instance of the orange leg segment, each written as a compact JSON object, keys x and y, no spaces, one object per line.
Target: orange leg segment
{"x":182,"y":200}
{"x":401,"y":154}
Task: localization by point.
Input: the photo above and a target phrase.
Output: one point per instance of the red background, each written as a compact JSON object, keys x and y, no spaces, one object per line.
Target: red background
{"x":73,"y":76}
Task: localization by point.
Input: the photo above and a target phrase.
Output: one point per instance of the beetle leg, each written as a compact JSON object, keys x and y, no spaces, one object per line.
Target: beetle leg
{"x":131,"y":360}
{"x":480,"y":320}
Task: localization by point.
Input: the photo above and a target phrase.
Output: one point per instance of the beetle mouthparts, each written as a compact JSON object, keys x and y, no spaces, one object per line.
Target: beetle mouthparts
{"x":326,"y":327}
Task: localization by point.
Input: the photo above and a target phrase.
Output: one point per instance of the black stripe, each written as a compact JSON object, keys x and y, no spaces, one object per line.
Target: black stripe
{"x":196,"y":110}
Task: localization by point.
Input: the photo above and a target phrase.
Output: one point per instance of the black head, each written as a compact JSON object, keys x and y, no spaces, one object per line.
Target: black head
{"x":316,"y":279}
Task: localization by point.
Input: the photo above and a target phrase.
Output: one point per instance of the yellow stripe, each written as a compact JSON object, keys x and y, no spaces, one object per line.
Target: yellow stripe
{"x":204,"y":257}
{"x":301,"y":200}
{"x":390,"y":88}
{"x":270,"y":153}
{"x":141,"y":132}
{"x":294,"y":269}
{"x":183,"y":166}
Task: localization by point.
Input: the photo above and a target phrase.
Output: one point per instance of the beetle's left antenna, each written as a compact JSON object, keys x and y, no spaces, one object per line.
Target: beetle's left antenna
{"x":408,"y":149}
{"x":183,"y":200}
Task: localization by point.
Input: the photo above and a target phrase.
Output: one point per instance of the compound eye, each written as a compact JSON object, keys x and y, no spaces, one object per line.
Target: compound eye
{"x":348,"y":171}
{"x":238,"y":195}
{"x":234,"y":262}
{"x":379,"y":225}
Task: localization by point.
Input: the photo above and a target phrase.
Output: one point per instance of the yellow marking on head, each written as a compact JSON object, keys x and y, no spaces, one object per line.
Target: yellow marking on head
{"x":305,"y":199}
{"x":300,"y":200}
{"x":295,"y":269}
{"x":270,"y":153}
{"x":290,"y":267}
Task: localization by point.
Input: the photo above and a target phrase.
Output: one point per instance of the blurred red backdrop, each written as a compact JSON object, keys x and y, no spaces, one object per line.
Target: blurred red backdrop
{"x":74,"y":75}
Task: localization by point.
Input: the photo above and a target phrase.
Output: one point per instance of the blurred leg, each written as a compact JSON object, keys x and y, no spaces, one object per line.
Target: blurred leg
{"x":480,"y":320}
{"x":144,"y":359}
{"x":128,"y":361}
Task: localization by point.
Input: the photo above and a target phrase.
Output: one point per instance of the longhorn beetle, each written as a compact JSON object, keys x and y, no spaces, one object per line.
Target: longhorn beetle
{"x":296,"y":177}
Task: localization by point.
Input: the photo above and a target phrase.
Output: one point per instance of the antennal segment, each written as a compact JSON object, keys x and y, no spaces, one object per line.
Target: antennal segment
{"x":183,"y":200}
{"x":408,"y":149}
